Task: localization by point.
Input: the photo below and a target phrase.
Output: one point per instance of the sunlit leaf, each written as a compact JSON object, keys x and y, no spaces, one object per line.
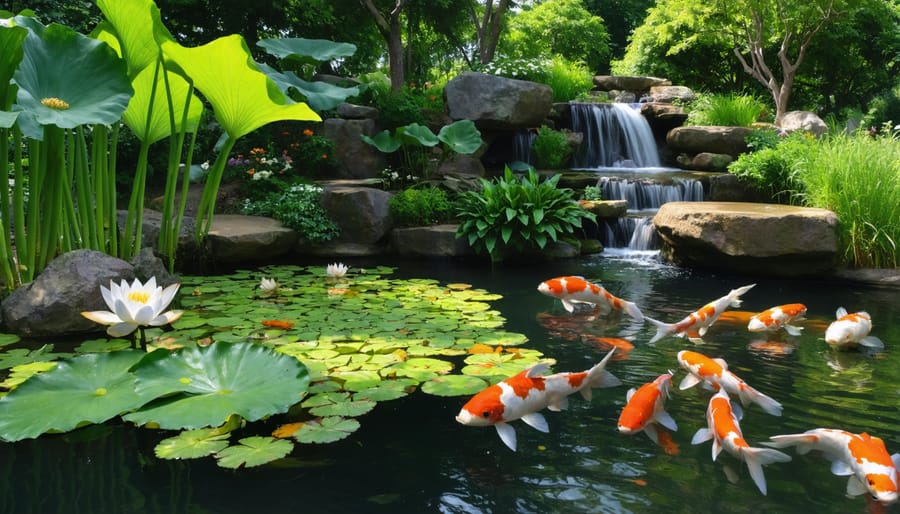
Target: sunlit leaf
{"x":192,"y":444}
{"x":23,"y":372}
{"x":327,"y":430}
{"x":453,"y":385}
{"x":7,"y":339}
{"x":254,"y":451}
{"x":103,"y":345}
{"x":421,"y":368}
{"x":387,"y":390}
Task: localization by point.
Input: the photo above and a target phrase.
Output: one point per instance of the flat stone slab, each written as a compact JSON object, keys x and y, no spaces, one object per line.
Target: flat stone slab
{"x":766,"y":239}
{"x":234,"y":238}
{"x":432,"y":241}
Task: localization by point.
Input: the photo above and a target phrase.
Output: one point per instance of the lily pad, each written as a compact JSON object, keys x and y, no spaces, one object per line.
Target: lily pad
{"x":387,"y":390}
{"x":327,"y":430}
{"x":86,"y":389}
{"x":192,"y":444}
{"x":209,"y":384}
{"x":421,"y":368}
{"x":6,"y":339}
{"x":254,"y":451}
{"x":454,"y":385}
{"x":23,"y":372}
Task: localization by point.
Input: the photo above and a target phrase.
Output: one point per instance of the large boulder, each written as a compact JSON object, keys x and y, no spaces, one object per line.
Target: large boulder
{"x":769,"y":239}
{"x":497,"y":103}
{"x":357,"y":159}
{"x":51,"y":304}
{"x":803,"y":120}
{"x":670,"y":94}
{"x":628,"y":83}
{"x":712,"y":139}
{"x":237,"y":239}
{"x":362,"y":213}
{"x":433,"y":241}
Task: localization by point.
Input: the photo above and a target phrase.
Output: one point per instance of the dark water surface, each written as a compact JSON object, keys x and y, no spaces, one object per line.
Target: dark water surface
{"x":411,"y":456}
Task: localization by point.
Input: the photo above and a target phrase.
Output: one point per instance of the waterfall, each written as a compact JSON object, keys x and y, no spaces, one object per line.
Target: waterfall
{"x":615,"y":135}
{"x":635,"y":230}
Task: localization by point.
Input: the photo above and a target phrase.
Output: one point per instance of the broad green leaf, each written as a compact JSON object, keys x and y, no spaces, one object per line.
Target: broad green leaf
{"x":22,"y":372}
{"x":103,"y":345}
{"x":6,"y":339}
{"x":417,"y":133}
{"x":387,"y":390}
{"x":254,"y":451}
{"x":137,"y":25}
{"x":453,"y":385}
{"x":85,"y":389}
{"x":215,"y":382}
{"x":243,"y":97}
{"x":461,"y":136}
{"x":192,"y":444}
{"x":421,"y":368}
{"x":347,"y":408}
{"x":138,"y":110}
{"x":8,"y":119}
{"x":383,"y":141}
{"x":311,"y":51}
{"x":321,"y":96}
{"x":327,"y":430}
{"x":92,"y":84}
{"x":11,"y":39}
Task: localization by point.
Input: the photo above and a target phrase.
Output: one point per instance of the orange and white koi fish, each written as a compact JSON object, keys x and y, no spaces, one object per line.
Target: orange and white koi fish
{"x":725,"y":432}
{"x":714,"y":372}
{"x":777,"y":318}
{"x":645,"y":407}
{"x":571,"y":290}
{"x":523,"y":395}
{"x":851,"y":330}
{"x":702,"y":319}
{"x":860,"y":455}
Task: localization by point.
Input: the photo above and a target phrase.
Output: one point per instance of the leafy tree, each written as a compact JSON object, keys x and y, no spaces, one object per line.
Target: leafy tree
{"x":621,"y":17}
{"x":487,"y":28}
{"x":558,"y":27}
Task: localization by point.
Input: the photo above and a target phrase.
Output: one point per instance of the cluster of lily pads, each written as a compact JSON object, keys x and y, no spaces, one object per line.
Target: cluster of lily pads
{"x":315,"y":349}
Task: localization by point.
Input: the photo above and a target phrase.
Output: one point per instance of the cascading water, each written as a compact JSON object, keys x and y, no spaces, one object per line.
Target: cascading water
{"x":615,"y":135}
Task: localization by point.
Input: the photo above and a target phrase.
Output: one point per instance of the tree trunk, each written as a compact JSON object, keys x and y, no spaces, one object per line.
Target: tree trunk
{"x":392,"y":32}
{"x":487,"y":30}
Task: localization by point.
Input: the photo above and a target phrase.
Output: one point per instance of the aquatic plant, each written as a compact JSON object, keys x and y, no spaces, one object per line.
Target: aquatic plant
{"x":135,"y":306}
{"x":413,"y":141}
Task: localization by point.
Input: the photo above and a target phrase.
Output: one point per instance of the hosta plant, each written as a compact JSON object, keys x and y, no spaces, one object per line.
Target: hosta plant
{"x":517,"y":214}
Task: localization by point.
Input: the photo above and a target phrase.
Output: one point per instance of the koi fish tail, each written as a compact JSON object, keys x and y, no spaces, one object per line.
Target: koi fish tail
{"x":803,"y":443}
{"x":598,"y":376}
{"x":768,"y":404}
{"x":632,"y":310}
{"x":756,"y":458}
{"x":662,"y":329}
{"x":735,"y":295}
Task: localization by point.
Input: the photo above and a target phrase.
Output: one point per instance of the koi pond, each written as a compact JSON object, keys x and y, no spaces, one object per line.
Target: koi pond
{"x":383,"y":438}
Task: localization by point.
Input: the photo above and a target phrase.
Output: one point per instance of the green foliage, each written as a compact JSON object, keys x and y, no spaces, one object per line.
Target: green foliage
{"x":884,"y":108}
{"x":732,"y":110}
{"x":414,"y":140}
{"x":517,"y":214}
{"x":775,"y":170}
{"x":551,"y":148}
{"x":592,"y":193}
{"x":762,"y":138}
{"x":420,"y":206}
{"x":535,"y":69}
{"x":298,"y":208}
{"x":399,"y":109}
{"x":568,"y":79}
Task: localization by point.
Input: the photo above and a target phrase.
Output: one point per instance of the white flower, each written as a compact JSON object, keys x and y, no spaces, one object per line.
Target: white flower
{"x":135,"y":305}
{"x":205,"y":165}
{"x":336,"y":270}
{"x":268,"y":285}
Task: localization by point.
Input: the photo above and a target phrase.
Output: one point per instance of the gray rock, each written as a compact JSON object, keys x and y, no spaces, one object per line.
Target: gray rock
{"x":362,"y":213}
{"x":803,"y":120}
{"x":147,"y":263}
{"x":432,"y":241}
{"x":626,"y":82}
{"x":765,"y":239}
{"x":708,"y":161}
{"x":497,"y":103}
{"x":605,"y":208}
{"x":726,"y":187}
{"x":356,"y":159}
{"x":52,"y":303}
{"x":669,"y":94}
{"x":350,"y":111}
{"x":713,"y":139}
{"x":245,"y":239}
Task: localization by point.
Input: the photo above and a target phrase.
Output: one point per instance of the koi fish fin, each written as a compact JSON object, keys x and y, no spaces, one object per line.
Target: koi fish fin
{"x":650,"y":430}
{"x":737,"y":410}
{"x":689,"y":381}
{"x":730,"y":474}
{"x":537,"y":421}
{"x":721,"y":362}
{"x":665,"y":419}
{"x":871,"y":342}
{"x":802,"y":443}
{"x":716,"y":449}
{"x":662,"y":329}
{"x":568,"y":306}
{"x":896,"y":458}
{"x":507,"y":434}
{"x":793,"y":330}
{"x":768,"y":404}
{"x":735,"y":294}
{"x":840,"y":313}
{"x":841,"y":468}
{"x":701,"y":436}
{"x":599,"y":377}
{"x":537,"y":370}
{"x":702,"y":332}
{"x":632,"y":310}
{"x":756,"y":458}
{"x":855,"y":487}
{"x":558,"y":403}
{"x":630,"y":394}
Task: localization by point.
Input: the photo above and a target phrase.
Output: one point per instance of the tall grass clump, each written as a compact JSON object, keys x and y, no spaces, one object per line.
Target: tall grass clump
{"x":776,"y":166}
{"x":568,"y":80}
{"x":726,"y":110}
{"x":858,"y":177}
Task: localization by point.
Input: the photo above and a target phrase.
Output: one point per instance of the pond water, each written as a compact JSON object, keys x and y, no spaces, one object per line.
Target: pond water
{"x":412,"y":456}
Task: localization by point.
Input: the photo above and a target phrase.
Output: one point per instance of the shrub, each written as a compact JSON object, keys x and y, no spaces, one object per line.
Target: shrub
{"x":535,"y":70}
{"x":761,"y":139}
{"x":298,"y":208}
{"x":592,"y":193}
{"x":517,"y":214}
{"x":417,"y":207}
{"x":399,"y":109}
{"x":551,"y":148}
{"x":568,"y":80}
{"x":726,"y":110}
{"x":775,"y":169}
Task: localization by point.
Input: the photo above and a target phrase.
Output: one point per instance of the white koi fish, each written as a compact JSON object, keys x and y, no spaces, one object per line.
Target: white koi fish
{"x":851,"y":330}
{"x":771,"y":320}
{"x":862,"y":456}
{"x":571,"y":290}
{"x":523,"y":395}
{"x":645,"y":407}
{"x":714,"y":372}
{"x":700,"y":320}
{"x":725,"y":432}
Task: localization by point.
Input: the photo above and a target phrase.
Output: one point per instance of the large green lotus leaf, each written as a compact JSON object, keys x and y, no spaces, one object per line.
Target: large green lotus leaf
{"x":461,"y":136}
{"x":85,"y":389}
{"x":84,"y":73}
{"x":192,"y":444}
{"x":311,"y":51}
{"x":138,"y":26}
{"x":243,"y":98}
{"x":8,"y":119}
{"x":11,"y":39}
{"x":103,"y":345}
{"x":138,"y":111}
{"x":222,"y":379}
{"x":383,"y":141}
{"x":254,"y":451}
{"x":321,"y":96}
{"x":327,"y":430}
{"x":453,"y":385}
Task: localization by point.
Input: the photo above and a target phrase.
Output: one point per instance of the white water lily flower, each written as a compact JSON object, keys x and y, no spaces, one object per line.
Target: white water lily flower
{"x":336,"y":270}
{"x":268,"y":285}
{"x":135,"y":305}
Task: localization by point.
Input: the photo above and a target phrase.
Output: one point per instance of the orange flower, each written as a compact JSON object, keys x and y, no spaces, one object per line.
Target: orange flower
{"x":257,"y":151}
{"x":307,"y":132}
{"x":324,"y":156}
{"x":251,"y":172}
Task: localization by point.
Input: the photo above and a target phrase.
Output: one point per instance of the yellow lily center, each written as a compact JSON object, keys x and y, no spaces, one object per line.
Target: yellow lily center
{"x":139,"y":296}
{"x":55,"y":103}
